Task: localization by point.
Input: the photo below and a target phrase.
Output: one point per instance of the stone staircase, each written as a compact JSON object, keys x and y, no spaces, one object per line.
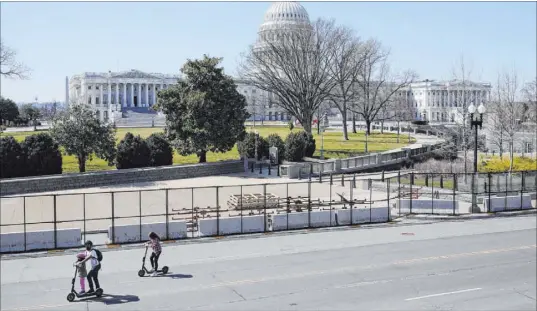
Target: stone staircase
{"x":134,"y":119}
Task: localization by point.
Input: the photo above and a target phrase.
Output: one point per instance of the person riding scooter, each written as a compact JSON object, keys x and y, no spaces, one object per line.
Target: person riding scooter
{"x":93,"y":274}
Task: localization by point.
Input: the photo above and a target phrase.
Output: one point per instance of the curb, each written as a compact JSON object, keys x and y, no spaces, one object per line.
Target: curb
{"x":474,"y":216}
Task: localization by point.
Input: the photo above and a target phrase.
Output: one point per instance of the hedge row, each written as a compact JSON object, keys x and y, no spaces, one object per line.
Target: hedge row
{"x":39,"y":154}
{"x":296,"y":146}
{"x":36,"y":155}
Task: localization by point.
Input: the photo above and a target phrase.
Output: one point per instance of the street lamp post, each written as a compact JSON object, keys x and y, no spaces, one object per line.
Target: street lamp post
{"x":477,"y":124}
{"x":321,"y":127}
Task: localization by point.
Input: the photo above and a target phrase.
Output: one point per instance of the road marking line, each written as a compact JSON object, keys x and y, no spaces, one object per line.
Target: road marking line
{"x":444,"y":294}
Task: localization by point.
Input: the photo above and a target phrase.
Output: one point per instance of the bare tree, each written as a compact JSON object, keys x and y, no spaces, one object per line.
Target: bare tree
{"x":294,"y":67}
{"x":347,"y":65}
{"x":530,"y":97}
{"x":9,"y":66}
{"x":462,"y":74}
{"x":375,"y":86}
{"x":511,"y":111}
{"x":403,"y":111}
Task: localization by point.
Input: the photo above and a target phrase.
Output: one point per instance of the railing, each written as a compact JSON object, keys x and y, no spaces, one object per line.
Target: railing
{"x":66,"y":220}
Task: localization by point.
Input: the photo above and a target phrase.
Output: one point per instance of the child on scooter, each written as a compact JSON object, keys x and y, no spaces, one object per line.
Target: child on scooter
{"x":82,"y":272}
{"x":154,"y":242}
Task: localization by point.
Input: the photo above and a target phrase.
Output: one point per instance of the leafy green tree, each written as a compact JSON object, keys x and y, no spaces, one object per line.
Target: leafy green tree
{"x":12,"y":158}
{"x":161,"y":152}
{"x":295,"y":145}
{"x":8,"y":110}
{"x":83,"y":135}
{"x":204,"y":111}
{"x":43,"y":156}
{"x":274,"y":140}
{"x":31,"y":113}
{"x":132,"y":152}
{"x":248,"y":146}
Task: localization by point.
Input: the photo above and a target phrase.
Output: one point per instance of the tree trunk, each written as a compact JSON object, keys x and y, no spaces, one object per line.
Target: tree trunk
{"x":398,"y":131}
{"x":81,"y":164}
{"x":318,"y":127}
{"x":344,"y":122}
{"x":382,"y":127}
{"x":368,"y":127}
{"x":306,"y":125}
{"x":354,"y":123}
{"x":511,"y":152}
{"x":202,"y":156}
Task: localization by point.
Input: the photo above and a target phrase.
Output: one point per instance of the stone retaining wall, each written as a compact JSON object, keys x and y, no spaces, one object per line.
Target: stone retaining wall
{"x":96,"y":179}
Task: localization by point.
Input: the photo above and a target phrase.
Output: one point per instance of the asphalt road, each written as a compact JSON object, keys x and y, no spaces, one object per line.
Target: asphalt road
{"x":471,"y":265}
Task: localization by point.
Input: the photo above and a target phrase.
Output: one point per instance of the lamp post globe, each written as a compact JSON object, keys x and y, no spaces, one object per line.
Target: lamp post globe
{"x":471,"y":108}
{"x":481,"y":109}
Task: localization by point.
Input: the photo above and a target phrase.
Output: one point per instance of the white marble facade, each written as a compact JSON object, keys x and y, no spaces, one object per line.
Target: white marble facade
{"x":443,"y":101}
{"x":112,"y":93}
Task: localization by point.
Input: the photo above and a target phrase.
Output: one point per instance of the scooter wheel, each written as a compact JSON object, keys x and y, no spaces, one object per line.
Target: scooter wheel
{"x":99,"y":292}
{"x":165,"y":269}
{"x":70,"y":297}
{"x":141,"y":273}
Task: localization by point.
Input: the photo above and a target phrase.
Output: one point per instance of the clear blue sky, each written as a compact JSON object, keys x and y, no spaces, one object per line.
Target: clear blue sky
{"x":58,"y":39}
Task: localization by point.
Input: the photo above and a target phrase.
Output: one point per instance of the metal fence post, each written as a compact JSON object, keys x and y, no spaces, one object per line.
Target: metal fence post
{"x":113,"y":223}
{"x":217,"y":212}
{"x":331,"y":180}
{"x":242,"y":210}
{"x":521,"y":189}
{"x":432,"y":193}
{"x":330,"y":205}
{"x":288,"y":205}
{"x":490,"y":188}
{"x":55,"y":224}
{"x":342,"y":180}
{"x":454,"y":189}
{"x":321,"y":177}
{"x":140,"y":212}
{"x":84,"y":213}
{"x":261,"y":168}
{"x":399,"y":191}
{"x":253,"y":166}
{"x":309,"y":204}
{"x":411,"y":182}
{"x":265,"y":205}
{"x":354,"y":180}
{"x":388,"y":195}
{"x":311,"y":172}
{"x":278,"y":170}
{"x":269,"y":168}
{"x":192,"y":207}
{"x":24,"y":219}
{"x":167,"y":217}
{"x":370,"y":199}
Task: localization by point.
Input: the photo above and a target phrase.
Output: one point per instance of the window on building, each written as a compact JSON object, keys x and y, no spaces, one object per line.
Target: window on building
{"x":96,"y":87}
{"x":89,"y":100}
{"x":97,"y":100}
{"x":89,"y":87}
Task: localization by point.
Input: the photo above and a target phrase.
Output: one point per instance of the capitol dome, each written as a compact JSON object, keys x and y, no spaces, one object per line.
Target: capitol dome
{"x":285,"y":15}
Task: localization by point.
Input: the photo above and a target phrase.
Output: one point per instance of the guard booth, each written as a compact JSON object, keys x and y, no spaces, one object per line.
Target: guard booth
{"x":270,"y":223}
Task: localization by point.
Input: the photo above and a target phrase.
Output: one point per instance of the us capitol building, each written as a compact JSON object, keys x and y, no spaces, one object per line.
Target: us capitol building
{"x":117,"y":95}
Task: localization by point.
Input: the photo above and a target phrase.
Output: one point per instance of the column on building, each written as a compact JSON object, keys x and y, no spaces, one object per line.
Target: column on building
{"x":124,"y":94}
{"x":109,"y":94}
{"x":146,"y":95}
{"x":82,"y":95}
{"x":140,"y":104}
{"x":101,"y":101}
{"x":132,"y":95}
{"x":117,"y":94}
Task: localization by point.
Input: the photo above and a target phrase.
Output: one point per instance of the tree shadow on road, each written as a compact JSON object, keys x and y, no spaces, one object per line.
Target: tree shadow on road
{"x":109,"y":299}
{"x":176,"y":276}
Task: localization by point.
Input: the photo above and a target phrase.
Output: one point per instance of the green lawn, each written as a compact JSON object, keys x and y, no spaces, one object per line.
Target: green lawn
{"x":334,"y":146}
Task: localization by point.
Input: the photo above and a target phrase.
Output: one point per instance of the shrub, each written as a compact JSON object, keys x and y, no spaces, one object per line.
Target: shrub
{"x":11,"y":158}
{"x":291,"y":125}
{"x":42,"y":155}
{"x":309,"y":141}
{"x":247,"y":146}
{"x":132,"y":152}
{"x":274,"y":140}
{"x":161,"y":152}
{"x":295,"y":145}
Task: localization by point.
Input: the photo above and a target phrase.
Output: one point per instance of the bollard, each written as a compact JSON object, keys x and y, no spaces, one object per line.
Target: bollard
{"x":269,"y":167}
{"x":260,"y":168}
{"x":253,"y":164}
{"x":278,"y":170}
